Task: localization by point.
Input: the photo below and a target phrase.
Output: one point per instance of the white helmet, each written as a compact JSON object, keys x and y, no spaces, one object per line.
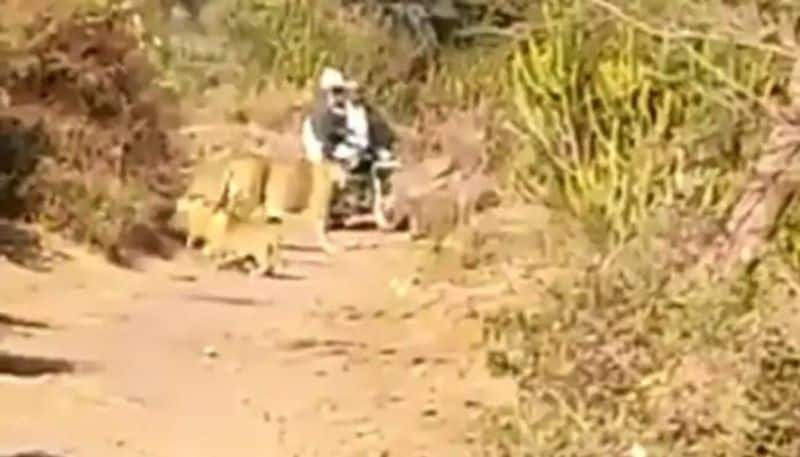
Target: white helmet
{"x":332,"y":78}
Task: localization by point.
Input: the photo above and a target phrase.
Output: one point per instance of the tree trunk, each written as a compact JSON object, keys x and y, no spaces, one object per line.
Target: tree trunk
{"x":767,"y":194}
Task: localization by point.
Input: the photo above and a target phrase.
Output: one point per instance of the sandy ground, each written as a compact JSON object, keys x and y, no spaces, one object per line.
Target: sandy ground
{"x":177,"y":360}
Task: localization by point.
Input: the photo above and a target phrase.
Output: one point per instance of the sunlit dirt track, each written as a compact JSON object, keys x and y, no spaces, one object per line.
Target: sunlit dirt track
{"x":178,"y":360}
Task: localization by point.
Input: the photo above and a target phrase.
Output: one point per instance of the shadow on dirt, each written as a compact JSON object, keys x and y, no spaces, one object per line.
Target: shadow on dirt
{"x":229,"y":301}
{"x":11,"y":321}
{"x":23,"y":247}
{"x":287,"y":277}
{"x":239,"y":267}
{"x":30,"y":367}
{"x":301,"y":247}
{"x":32,"y":454}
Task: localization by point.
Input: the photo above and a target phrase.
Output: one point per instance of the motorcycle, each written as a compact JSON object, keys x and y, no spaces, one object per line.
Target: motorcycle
{"x":366,"y":191}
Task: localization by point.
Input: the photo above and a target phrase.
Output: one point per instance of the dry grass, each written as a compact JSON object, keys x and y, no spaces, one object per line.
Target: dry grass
{"x":637,"y":125}
{"x":87,"y":128}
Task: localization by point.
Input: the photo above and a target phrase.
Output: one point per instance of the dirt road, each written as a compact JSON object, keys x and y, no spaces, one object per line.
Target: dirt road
{"x":177,"y":360}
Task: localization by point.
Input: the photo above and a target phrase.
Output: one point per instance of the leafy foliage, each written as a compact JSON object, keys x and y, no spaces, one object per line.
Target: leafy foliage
{"x":622,"y":122}
{"x":643,"y":120}
{"x":640,"y":119}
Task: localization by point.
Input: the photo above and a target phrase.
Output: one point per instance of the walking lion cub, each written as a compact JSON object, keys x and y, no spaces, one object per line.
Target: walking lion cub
{"x":231,"y":239}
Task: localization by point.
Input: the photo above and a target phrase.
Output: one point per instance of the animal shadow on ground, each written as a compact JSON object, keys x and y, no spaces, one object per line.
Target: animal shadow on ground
{"x":32,"y":454}
{"x":24,"y":366}
{"x":301,"y":247}
{"x":11,"y":321}
{"x":239,"y":267}
{"x":287,"y":277}
{"x":31,"y":367}
{"x":230,"y":301}
{"x":23,"y":247}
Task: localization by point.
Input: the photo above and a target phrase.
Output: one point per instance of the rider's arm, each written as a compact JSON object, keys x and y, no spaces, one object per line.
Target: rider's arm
{"x":327,"y":128}
{"x":381,"y":135}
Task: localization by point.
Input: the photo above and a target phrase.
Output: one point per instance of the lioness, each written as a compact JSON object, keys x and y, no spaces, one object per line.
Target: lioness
{"x":297,"y":187}
{"x":241,"y":183}
{"x":230,"y":239}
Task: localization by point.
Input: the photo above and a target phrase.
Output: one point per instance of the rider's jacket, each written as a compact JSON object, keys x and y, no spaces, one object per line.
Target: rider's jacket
{"x":329,"y":127}
{"x":381,"y":135}
{"x":346,"y":133}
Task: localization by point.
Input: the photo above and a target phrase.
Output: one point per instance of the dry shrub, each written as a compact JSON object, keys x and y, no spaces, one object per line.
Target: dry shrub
{"x":630,"y":347}
{"x":84,"y":83}
{"x":22,"y":144}
{"x":18,"y":13}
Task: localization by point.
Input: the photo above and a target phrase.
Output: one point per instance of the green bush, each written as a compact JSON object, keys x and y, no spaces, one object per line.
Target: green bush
{"x":643,"y":120}
{"x":619,"y":120}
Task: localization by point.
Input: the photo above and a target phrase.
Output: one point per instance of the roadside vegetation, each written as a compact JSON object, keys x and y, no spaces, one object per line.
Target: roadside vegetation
{"x":661,"y":138}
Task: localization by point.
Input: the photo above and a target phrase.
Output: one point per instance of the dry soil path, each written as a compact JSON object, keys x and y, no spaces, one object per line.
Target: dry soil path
{"x":181,"y":361}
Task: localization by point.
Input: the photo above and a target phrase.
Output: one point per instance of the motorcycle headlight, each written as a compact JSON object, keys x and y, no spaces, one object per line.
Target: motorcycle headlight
{"x":345,"y":152}
{"x":353,"y":163}
{"x":385,"y":155}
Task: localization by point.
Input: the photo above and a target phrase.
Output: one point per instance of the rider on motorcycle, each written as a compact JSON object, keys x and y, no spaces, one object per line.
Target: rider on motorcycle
{"x":325,"y":128}
{"x":342,"y":127}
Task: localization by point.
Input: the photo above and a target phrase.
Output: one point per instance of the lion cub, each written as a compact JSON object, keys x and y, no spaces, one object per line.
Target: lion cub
{"x":231,"y":239}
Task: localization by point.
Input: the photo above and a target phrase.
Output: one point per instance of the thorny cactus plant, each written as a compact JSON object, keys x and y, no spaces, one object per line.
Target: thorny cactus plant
{"x":628,"y":110}
{"x":619,"y":117}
